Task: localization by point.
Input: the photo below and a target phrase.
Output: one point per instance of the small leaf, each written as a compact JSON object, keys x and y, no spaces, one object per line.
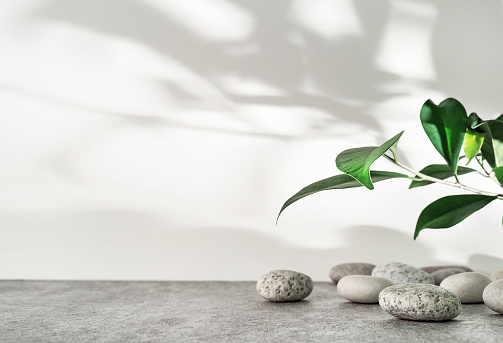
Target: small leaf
{"x":445,"y":126}
{"x":498,"y":172}
{"x":356,"y":162}
{"x":439,"y":171}
{"x":450,"y":210}
{"x":338,"y":182}
{"x":473,"y":143}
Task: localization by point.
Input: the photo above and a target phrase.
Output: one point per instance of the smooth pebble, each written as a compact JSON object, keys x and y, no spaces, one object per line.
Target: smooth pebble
{"x":339,"y":271}
{"x":468,"y":286}
{"x":431,"y":269}
{"x":497,"y":275}
{"x":493,"y":296}
{"x":362,"y":288}
{"x":400,"y":273}
{"x":440,"y":275}
{"x":420,"y":302}
{"x":284,"y":285}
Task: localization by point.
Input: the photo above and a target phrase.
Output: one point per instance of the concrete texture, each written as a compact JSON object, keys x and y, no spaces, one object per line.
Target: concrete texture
{"x":104,"y":311}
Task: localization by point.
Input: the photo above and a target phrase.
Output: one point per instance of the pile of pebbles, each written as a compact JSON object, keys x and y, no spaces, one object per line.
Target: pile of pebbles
{"x":432,"y":293}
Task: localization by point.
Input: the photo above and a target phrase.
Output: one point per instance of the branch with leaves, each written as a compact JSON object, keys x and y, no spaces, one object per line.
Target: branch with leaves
{"x":449,"y":129}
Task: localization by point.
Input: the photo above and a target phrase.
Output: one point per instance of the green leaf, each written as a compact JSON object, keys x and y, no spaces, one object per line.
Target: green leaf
{"x":445,"y":126}
{"x":500,"y":117}
{"x":338,"y":182}
{"x":492,"y":148}
{"x":439,"y":171}
{"x":498,"y":172}
{"x":450,"y":210}
{"x":356,"y":162}
{"x":473,"y":143}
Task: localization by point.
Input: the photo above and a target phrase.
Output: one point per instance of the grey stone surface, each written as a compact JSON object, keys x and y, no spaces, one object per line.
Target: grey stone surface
{"x":420,"y":302}
{"x":284,"y":285}
{"x":497,"y":275}
{"x":467,"y":286}
{"x":400,"y":273}
{"x":363,"y":289}
{"x":431,"y":269}
{"x":493,"y":296}
{"x":182,"y":311}
{"x":441,"y":274}
{"x":339,"y":271}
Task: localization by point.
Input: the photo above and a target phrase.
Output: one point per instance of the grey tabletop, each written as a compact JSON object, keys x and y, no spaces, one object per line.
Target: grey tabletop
{"x":183,"y":311}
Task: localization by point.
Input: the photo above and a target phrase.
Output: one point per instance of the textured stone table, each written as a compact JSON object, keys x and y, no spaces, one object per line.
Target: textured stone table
{"x":82,"y":311}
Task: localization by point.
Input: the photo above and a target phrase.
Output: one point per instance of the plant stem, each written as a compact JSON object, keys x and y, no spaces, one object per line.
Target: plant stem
{"x":489,"y":174}
{"x":447,"y":183}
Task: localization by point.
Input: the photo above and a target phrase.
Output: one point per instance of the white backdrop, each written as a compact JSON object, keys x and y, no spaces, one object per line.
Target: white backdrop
{"x":158,"y":139}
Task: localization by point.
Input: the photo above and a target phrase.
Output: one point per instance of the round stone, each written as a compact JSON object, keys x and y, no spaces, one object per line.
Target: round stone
{"x":431,"y":269}
{"x":400,"y":273}
{"x":363,"y":289}
{"x":468,"y":286}
{"x":440,"y":275}
{"x":339,"y":271}
{"x":284,"y":285}
{"x":420,"y":302}
{"x":493,"y":296}
{"x":497,"y":275}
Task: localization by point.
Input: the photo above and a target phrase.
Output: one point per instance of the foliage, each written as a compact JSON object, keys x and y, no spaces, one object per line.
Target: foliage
{"x":449,"y":129}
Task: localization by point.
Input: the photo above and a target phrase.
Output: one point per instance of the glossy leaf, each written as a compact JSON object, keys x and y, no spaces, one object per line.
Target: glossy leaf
{"x":492,"y":148}
{"x":450,"y":210}
{"x":498,"y":172}
{"x":439,"y":171}
{"x":356,"y":162}
{"x":338,"y":182}
{"x":445,"y":126}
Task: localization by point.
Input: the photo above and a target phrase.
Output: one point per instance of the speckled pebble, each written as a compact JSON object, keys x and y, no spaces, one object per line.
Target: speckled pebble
{"x":363,"y":289}
{"x":442,"y":274}
{"x":493,"y":296}
{"x":339,"y":271}
{"x":431,"y":269}
{"x":400,"y":273}
{"x":468,"y":286}
{"x":497,"y":275}
{"x":420,"y":302}
{"x":284,"y":285}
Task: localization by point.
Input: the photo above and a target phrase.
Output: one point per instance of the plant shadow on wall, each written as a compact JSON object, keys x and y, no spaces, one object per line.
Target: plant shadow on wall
{"x":467,"y":52}
{"x":342,"y":71}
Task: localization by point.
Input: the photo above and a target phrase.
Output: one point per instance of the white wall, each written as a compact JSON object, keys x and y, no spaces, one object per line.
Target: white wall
{"x":158,"y":139}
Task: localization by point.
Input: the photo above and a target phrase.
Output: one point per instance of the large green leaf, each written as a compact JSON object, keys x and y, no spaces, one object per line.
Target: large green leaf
{"x":498,"y":172}
{"x":450,"y":210}
{"x":492,"y":148}
{"x":356,"y":162}
{"x":439,"y":171}
{"x":445,"y":126}
{"x":338,"y":182}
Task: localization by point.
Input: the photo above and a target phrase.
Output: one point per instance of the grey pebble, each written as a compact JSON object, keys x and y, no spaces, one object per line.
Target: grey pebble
{"x":420,"y":302}
{"x":339,"y":271}
{"x":440,"y":275}
{"x":363,"y":289}
{"x":493,"y":296}
{"x":284,"y":285}
{"x":497,"y":275}
{"x":431,"y":269}
{"x":468,"y":286}
{"x":400,"y":273}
